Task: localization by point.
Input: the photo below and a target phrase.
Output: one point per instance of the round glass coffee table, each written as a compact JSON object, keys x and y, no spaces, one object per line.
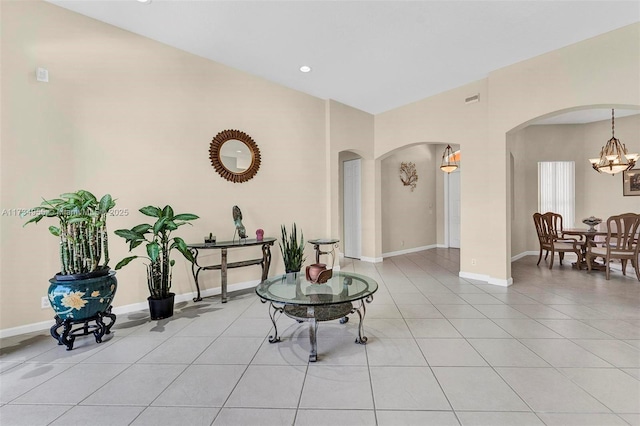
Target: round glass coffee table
{"x":343,"y":294}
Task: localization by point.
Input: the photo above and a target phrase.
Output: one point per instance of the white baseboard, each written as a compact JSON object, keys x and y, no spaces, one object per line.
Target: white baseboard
{"x":407,"y":251}
{"x":29,"y":328}
{"x":523,"y":254}
{"x":134,"y":307}
{"x":486,"y":278}
{"x":371,"y":259}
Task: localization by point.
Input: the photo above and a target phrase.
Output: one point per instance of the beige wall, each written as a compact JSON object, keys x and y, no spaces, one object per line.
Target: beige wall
{"x":409,"y":217}
{"x":597,"y":194}
{"x":129,"y":116}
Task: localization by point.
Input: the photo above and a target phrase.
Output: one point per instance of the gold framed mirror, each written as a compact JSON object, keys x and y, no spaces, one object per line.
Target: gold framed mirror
{"x":234,"y":155}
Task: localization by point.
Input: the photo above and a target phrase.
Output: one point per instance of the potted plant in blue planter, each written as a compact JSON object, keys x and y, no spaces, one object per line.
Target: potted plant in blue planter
{"x":158,"y":244}
{"x":82,"y":291}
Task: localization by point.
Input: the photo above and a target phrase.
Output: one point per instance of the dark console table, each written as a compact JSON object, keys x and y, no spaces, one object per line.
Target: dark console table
{"x":223,"y":246}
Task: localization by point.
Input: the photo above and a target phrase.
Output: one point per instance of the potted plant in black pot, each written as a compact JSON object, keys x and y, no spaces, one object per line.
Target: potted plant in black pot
{"x":159,"y":245}
{"x":292,"y":251}
{"x":84,"y":288}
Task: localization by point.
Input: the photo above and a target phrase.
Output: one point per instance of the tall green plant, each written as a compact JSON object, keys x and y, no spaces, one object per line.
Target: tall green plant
{"x":82,"y":229}
{"x":292,"y":251}
{"x":159,"y":246}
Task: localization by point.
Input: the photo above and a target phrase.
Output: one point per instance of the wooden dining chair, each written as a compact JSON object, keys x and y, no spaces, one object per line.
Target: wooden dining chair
{"x":552,"y":239}
{"x":623,"y":233}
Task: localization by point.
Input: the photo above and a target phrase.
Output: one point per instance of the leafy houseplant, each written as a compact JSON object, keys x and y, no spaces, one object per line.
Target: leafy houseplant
{"x":83,"y":289}
{"x":82,"y":230}
{"x":159,"y":245}
{"x":292,"y":251}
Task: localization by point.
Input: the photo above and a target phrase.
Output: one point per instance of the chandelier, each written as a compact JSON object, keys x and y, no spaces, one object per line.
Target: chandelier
{"x":614,"y":157}
{"x":449,"y":163}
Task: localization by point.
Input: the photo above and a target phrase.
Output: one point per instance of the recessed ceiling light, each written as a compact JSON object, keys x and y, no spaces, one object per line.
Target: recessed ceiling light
{"x":305,"y":68}
{"x":144,"y":1}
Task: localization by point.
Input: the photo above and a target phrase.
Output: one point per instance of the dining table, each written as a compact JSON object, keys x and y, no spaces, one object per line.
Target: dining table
{"x":588,"y":236}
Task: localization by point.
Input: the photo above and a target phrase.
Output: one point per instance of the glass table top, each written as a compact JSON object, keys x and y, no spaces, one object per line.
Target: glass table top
{"x":340,"y":288}
{"x":323,"y":241}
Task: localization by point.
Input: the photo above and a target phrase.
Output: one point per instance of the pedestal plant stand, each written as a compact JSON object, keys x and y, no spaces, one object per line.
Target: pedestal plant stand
{"x":82,"y":305}
{"x":82,"y":292}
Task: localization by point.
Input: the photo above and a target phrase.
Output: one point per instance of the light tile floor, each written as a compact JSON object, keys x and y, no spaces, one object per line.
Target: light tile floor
{"x":559,"y":347}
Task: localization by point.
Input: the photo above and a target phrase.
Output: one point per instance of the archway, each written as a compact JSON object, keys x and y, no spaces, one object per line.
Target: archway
{"x":573,"y":135}
{"x":413,"y":218}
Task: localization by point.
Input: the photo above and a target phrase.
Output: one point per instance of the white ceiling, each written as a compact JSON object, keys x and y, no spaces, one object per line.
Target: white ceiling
{"x":372,"y":55}
{"x":586,"y":116}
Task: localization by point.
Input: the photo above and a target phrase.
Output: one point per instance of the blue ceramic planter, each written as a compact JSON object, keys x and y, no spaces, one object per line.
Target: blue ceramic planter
{"x":83,"y":298}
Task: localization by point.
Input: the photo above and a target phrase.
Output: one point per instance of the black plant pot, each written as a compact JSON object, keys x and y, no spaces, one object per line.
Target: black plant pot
{"x":161,"y":308}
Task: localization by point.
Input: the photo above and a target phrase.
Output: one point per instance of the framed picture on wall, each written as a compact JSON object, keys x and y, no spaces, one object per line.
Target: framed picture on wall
{"x":631,"y":182}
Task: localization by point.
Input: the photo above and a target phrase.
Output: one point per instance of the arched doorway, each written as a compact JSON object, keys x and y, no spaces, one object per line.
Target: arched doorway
{"x":414,"y":219}
{"x":569,"y":135}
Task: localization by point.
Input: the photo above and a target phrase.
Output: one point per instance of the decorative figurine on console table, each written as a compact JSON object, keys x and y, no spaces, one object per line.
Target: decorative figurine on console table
{"x":259,"y":235}
{"x":240,"y":229}
{"x":210,"y":240}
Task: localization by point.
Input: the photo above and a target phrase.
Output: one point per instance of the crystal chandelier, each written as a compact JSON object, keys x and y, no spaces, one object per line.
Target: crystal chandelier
{"x":614,"y":157}
{"x":449,"y":163}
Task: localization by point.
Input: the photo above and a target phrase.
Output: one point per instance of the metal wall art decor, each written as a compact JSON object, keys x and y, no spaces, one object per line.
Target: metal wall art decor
{"x":234,"y":155}
{"x":237,"y":219}
{"x":408,"y":174}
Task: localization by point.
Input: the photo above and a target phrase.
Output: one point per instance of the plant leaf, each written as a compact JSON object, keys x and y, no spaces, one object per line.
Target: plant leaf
{"x":151,"y":211}
{"x":186,"y":216}
{"x":153,"y":250}
{"x":35,"y":219}
{"x":125,"y":261}
{"x":135,"y":243}
{"x":86,"y":195}
{"x":159,"y":225}
{"x":129,"y":235}
{"x":168,"y":212}
{"x":143,"y":228}
{"x":182,"y":248}
{"x":54,"y":230}
{"x":105,"y":203}
{"x":71,"y":196}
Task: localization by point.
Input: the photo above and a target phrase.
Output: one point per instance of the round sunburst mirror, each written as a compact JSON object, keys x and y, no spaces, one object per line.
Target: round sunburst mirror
{"x":234,"y":155}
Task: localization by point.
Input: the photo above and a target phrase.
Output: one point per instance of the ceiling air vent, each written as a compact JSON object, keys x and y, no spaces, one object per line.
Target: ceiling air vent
{"x":472,"y":99}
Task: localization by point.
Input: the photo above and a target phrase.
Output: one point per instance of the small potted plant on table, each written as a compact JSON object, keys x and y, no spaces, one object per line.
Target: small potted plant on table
{"x":159,"y":245}
{"x":292,"y":251}
{"x":84,"y":288}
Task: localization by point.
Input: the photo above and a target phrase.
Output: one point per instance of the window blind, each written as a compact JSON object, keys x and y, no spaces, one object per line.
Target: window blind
{"x":556,"y":189}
